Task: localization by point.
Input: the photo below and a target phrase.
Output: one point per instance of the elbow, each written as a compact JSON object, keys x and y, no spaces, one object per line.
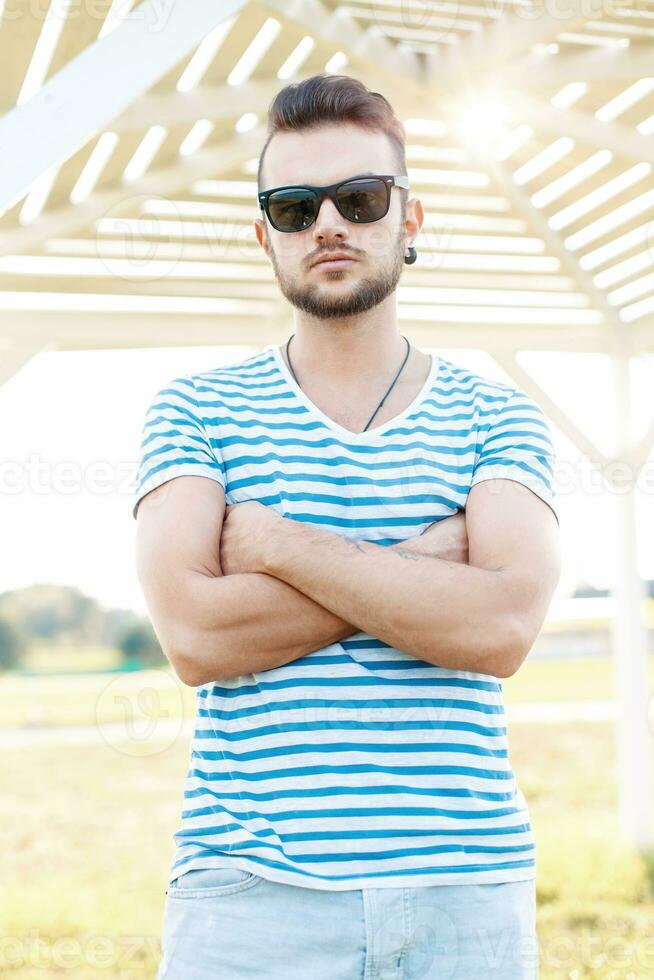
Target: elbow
{"x":190,"y":668}
{"x":186,"y":667}
{"x":512,"y":648}
{"x":177,"y":649}
{"x":196,"y":663}
{"x":188,"y":671}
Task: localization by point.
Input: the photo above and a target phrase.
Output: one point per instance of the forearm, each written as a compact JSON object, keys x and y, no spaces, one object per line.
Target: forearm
{"x":249,"y":622}
{"x":443,"y":612}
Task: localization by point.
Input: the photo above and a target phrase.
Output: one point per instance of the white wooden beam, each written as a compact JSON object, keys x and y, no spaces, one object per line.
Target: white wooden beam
{"x":633,"y":735}
{"x":642,"y":336}
{"x":93,"y":329}
{"x":258,"y":284}
{"x":547,"y":71}
{"x":15,"y":353}
{"x":641,"y":451}
{"x":551,"y":408}
{"x":204,"y":102}
{"x":106,"y":329}
{"x":89,"y":91}
{"x":637,"y":456}
{"x":153,"y":269}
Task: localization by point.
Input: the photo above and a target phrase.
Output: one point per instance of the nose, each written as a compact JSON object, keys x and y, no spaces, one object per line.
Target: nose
{"x":330,"y":225}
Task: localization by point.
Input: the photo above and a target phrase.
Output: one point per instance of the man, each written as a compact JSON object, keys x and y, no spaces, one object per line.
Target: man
{"x":349,"y":804}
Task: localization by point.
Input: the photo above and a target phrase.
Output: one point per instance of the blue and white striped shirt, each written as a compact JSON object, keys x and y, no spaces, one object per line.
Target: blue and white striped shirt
{"x":357,"y":765}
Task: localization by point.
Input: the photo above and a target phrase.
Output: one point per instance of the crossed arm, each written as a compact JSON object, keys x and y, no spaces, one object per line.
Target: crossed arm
{"x":273,"y":589}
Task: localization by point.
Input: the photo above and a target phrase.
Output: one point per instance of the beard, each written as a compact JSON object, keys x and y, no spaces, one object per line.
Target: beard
{"x":362,"y":295}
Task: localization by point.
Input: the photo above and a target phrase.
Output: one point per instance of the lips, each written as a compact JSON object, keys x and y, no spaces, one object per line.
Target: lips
{"x":334,"y":258}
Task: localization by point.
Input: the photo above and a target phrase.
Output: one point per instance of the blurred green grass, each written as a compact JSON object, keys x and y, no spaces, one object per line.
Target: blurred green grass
{"x":85,"y":867}
{"x":53,"y":657}
{"x":82,"y":699}
{"x":87,"y":699}
{"x":565,"y":679}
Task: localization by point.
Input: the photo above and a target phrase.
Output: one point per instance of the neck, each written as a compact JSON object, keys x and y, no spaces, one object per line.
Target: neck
{"x":348,"y":352}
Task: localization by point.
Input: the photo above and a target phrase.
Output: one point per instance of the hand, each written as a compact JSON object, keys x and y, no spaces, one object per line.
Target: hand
{"x":246,"y":534}
{"x":446,"y":539}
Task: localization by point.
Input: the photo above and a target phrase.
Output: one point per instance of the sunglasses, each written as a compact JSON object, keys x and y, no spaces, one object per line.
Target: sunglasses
{"x":295,"y":207}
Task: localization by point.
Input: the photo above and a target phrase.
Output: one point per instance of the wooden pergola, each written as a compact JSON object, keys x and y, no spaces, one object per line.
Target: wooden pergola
{"x":128,"y":152}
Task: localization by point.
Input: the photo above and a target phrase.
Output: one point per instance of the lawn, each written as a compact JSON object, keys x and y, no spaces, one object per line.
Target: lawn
{"x":84,"y":699}
{"x":563,"y":679}
{"x":84,"y":868}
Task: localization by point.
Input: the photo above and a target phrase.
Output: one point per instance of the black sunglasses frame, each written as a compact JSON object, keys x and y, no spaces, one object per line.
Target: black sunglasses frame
{"x":329,"y":190}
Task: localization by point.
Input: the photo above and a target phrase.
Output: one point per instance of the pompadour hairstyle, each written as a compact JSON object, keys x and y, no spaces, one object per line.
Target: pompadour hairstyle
{"x":327,"y":98}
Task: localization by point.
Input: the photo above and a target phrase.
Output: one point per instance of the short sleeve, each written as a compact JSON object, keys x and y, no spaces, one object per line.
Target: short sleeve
{"x":174,"y":440}
{"x":518,"y":446}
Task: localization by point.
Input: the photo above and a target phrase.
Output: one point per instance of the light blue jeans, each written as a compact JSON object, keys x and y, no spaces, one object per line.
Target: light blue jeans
{"x":225,"y":923}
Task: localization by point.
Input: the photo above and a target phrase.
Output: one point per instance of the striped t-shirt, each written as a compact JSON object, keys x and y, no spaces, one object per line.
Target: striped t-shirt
{"x":358,"y":765}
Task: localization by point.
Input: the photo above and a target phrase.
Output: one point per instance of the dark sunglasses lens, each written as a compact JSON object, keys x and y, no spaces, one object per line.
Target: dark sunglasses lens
{"x":364,"y":199}
{"x":292,"y":209}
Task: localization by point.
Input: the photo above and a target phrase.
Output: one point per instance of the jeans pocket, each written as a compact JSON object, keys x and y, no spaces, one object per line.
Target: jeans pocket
{"x":211,"y":882}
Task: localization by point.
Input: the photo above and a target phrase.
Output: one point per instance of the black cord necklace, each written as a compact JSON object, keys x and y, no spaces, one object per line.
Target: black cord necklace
{"x":406,"y":356}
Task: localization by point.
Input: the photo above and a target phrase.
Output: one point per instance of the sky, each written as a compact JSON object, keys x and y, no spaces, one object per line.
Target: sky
{"x":70,"y":425}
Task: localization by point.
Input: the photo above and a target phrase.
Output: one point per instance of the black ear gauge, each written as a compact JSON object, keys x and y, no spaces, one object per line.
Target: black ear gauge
{"x":412,"y":256}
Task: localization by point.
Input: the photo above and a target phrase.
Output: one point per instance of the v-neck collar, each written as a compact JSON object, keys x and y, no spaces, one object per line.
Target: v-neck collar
{"x":347,"y":433}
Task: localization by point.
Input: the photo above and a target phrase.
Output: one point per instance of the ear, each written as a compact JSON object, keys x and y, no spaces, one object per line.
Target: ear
{"x":262,"y":234}
{"x":414,"y":219}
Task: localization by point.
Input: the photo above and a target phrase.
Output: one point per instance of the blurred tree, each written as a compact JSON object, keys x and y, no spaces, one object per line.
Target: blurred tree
{"x":140,"y":646}
{"x":13,"y":644}
{"x":48,"y":611}
{"x":63,"y":617}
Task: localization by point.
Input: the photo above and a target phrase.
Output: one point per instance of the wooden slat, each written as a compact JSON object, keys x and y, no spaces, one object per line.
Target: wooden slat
{"x":164,"y":285}
{"x":168,"y":82}
{"x":20,"y":28}
{"x":203,"y":102}
{"x":243,"y":32}
{"x":81,"y":28}
{"x":133,"y":57}
{"x":67,"y":176}
{"x":161,"y":181}
{"x":76,"y":330}
{"x":416,"y":286}
{"x":594,"y":182}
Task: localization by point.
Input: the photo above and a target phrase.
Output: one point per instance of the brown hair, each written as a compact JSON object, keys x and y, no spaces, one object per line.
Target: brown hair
{"x":327,"y":98}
